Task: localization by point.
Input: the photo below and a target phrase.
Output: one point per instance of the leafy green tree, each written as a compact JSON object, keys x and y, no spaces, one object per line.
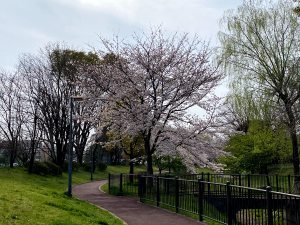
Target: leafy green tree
{"x":172,"y":163}
{"x":259,"y":148}
{"x":261,"y":46}
{"x":133,"y":147}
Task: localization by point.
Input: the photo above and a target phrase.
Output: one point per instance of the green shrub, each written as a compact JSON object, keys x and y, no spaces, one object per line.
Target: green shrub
{"x":46,"y":168}
{"x":65,"y":166}
{"x":87,"y":166}
{"x":3,"y":160}
{"x":53,"y":169}
{"x":75,"y":166}
{"x":102,"y":166}
{"x":40,"y":168}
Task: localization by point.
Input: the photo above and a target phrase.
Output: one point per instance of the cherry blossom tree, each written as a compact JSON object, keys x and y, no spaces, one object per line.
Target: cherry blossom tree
{"x":193,"y":148}
{"x":149,"y":84}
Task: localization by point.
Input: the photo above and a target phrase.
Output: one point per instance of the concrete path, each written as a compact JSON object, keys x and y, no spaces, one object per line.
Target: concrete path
{"x":129,"y":209}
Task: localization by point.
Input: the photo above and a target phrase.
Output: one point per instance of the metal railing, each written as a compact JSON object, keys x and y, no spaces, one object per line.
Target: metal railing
{"x":278,"y":183}
{"x":123,"y":184}
{"x":224,"y":203}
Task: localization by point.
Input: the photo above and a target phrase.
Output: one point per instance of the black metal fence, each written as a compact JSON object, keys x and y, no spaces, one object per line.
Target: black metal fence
{"x":278,"y":183}
{"x":123,"y":184}
{"x":224,"y":203}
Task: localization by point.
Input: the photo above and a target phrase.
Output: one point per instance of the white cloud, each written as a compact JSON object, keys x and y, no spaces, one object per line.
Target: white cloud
{"x":26,"y":27}
{"x":194,"y":16}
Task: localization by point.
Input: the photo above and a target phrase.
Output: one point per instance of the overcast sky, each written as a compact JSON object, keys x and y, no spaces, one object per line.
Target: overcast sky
{"x":28,"y":25}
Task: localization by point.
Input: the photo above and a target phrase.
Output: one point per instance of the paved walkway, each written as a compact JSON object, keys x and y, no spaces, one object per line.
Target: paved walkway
{"x":129,"y":209}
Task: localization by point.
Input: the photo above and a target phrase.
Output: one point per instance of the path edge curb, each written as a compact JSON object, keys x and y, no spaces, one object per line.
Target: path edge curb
{"x":114,"y":215}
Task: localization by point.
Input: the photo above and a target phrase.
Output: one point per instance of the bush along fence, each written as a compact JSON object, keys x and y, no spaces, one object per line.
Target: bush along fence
{"x":223,"y":203}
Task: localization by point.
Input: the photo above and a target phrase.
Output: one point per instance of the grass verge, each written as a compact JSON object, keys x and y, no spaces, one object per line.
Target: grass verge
{"x":32,"y":199}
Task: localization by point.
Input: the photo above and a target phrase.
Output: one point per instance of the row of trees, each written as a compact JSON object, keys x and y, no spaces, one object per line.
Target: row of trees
{"x":138,"y":95}
{"x":138,"y":92}
{"x":35,"y":104}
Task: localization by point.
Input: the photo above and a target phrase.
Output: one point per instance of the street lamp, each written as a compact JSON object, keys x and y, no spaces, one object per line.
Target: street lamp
{"x":72,"y":99}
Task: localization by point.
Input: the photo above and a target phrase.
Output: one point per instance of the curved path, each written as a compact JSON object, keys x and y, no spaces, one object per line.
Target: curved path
{"x":129,"y":209}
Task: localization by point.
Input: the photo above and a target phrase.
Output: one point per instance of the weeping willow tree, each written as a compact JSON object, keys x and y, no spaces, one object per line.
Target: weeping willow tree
{"x":260,"y":46}
{"x":243,"y":105}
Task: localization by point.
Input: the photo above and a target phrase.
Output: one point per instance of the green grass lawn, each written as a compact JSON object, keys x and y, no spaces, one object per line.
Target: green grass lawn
{"x":32,"y":199}
{"x":281,"y":169}
{"x":204,"y":170}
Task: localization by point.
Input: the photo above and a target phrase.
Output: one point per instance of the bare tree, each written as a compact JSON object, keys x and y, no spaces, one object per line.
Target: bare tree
{"x":53,"y":76}
{"x":33,"y":133}
{"x":12,"y":114}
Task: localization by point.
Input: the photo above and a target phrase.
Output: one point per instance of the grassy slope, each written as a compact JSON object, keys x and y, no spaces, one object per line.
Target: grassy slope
{"x":31,"y":199}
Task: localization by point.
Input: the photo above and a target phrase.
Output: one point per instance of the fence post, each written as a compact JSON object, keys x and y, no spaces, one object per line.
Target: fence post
{"x":143,"y":188}
{"x":249,"y":185}
{"x":140,"y":186}
{"x":176,"y":194}
{"x":121,"y":184}
{"x":202,"y":176}
{"x":269,"y":205}
{"x":208,"y":184}
{"x":109,"y":184}
{"x":229,"y":210}
{"x":289,"y":183}
{"x":249,"y":180}
{"x":200,"y":198}
{"x":240,"y":184}
{"x":157,"y":191}
{"x":167,"y":186}
{"x":277,"y":183}
{"x":268,"y":180}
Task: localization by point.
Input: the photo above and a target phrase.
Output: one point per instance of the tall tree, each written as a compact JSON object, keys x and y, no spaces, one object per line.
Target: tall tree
{"x":53,"y":77}
{"x":33,"y":133}
{"x":12,"y":118}
{"x":241,"y":106}
{"x":261,"y":44}
{"x":152,"y":82}
{"x":263,"y":145}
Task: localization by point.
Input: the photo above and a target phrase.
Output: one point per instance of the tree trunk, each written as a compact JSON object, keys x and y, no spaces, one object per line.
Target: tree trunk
{"x":149,"y":155}
{"x":32,"y":155}
{"x":293,"y":135}
{"x":292,"y":211}
{"x":79,"y":159}
{"x":12,"y":155}
{"x":11,"y":160}
{"x":149,"y":164}
{"x":131,"y":157}
{"x":30,"y":166}
{"x":131,"y":167}
{"x":295,"y":162}
{"x":60,"y":156}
